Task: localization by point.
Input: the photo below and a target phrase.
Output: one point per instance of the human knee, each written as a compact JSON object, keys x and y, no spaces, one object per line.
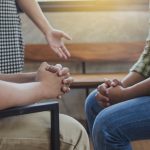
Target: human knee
{"x":73,"y":132}
{"x":102,"y":125}
{"x":107,"y":127}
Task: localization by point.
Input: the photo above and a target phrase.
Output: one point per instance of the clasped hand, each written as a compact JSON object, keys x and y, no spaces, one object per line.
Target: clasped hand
{"x":110,"y":92}
{"x":55,"y":80}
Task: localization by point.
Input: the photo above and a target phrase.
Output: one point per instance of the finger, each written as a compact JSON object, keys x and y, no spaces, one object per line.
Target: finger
{"x":102,"y":89}
{"x":68,"y":81}
{"x":63,"y":71}
{"x":102,"y":98}
{"x":51,"y":68}
{"x":65,"y":50}
{"x":62,"y":52}
{"x":103,"y":104}
{"x":67,"y":90}
{"x":59,"y":96}
{"x":43,"y":66}
{"x":107,"y":82}
{"x":47,"y":67}
{"x":58,"y":66}
{"x":59,"y":53}
{"x":115,"y":82}
{"x":64,"y":89}
{"x":66,"y":36}
{"x":67,"y":75}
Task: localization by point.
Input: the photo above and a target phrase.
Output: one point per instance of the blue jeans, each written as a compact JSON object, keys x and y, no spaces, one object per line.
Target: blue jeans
{"x":114,"y":127}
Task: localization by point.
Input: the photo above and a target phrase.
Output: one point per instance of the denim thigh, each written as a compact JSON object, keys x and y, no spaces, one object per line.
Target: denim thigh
{"x":130,"y":119}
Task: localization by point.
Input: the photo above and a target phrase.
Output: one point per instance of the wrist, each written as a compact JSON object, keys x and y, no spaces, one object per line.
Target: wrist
{"x":33,"y":76}
{"x":48,"y":30}
{"x":128,"y":93}
{"x":43,"y":88}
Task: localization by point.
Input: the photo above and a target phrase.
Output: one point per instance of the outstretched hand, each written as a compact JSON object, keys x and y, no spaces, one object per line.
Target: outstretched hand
{"x":55,"y":41}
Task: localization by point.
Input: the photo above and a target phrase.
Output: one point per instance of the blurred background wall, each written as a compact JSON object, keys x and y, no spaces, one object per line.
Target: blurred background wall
{"x":109,"y":26}
{"x":89,"y":27}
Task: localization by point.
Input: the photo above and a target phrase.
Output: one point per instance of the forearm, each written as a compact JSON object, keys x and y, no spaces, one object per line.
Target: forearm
{"x":33,"y":10}
{"x":131,"y":79}
{"x":140,"y":89}
{"x":14,"y":94}
{"x":19,"y":77}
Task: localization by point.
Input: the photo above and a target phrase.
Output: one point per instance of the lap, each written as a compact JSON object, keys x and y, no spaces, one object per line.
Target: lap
{"x":32,"y":131}
{"x":132,"y":117}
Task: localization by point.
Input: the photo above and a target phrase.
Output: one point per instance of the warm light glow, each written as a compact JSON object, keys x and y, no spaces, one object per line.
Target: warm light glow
{"x":100,"y":5}
{"x":59,"y":0}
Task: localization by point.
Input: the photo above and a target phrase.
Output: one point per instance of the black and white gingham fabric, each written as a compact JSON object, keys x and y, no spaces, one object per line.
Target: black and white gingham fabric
{"x":11,"y":43}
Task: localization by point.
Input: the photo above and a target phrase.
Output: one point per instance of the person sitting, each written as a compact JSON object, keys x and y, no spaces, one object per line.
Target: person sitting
{"x":31,"y":131}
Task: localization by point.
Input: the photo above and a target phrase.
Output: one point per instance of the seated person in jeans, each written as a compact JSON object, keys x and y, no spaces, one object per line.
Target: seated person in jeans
{"x":31,"y":131}
{"x":118,"y":112}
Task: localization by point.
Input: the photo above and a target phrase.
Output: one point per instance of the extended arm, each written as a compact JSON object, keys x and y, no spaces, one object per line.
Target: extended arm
{"x":131,"y":79}
{"x":19,"y":77}
{"x":14,"y":94}
{"x":53,"y":37}
{"x":48,"y":85}
{"x":32,"y":9}
{"x":139,"y":89}
{"x":135,"y":84}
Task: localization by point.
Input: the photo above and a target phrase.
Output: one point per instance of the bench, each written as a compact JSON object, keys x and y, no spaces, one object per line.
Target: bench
{"x":91,"y":52}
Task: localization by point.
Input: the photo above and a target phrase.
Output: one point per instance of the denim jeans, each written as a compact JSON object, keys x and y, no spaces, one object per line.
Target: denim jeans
{"x":114,"y":127}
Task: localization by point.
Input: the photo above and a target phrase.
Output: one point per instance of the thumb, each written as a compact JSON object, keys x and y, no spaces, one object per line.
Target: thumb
{"x":66,"y":36}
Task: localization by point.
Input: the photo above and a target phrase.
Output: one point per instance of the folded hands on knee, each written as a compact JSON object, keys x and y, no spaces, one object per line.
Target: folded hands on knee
{"x":110,"y":92}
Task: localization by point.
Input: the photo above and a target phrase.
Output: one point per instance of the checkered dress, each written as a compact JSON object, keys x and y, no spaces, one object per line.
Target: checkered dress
{"x":11,"y":43}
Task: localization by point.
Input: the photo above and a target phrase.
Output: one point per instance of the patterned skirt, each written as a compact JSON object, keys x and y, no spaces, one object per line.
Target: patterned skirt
{"x":11,"y":42}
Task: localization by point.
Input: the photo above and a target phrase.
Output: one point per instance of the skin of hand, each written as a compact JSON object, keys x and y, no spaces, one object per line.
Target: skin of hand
{"x":62,"y":72}
{"x":51,"y":82}
{"x":59,"y":71}
{"x":102,"y":94}
{"x":55,"y":41}
{"x":117,"y":94}
{"x":133,"y":85}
